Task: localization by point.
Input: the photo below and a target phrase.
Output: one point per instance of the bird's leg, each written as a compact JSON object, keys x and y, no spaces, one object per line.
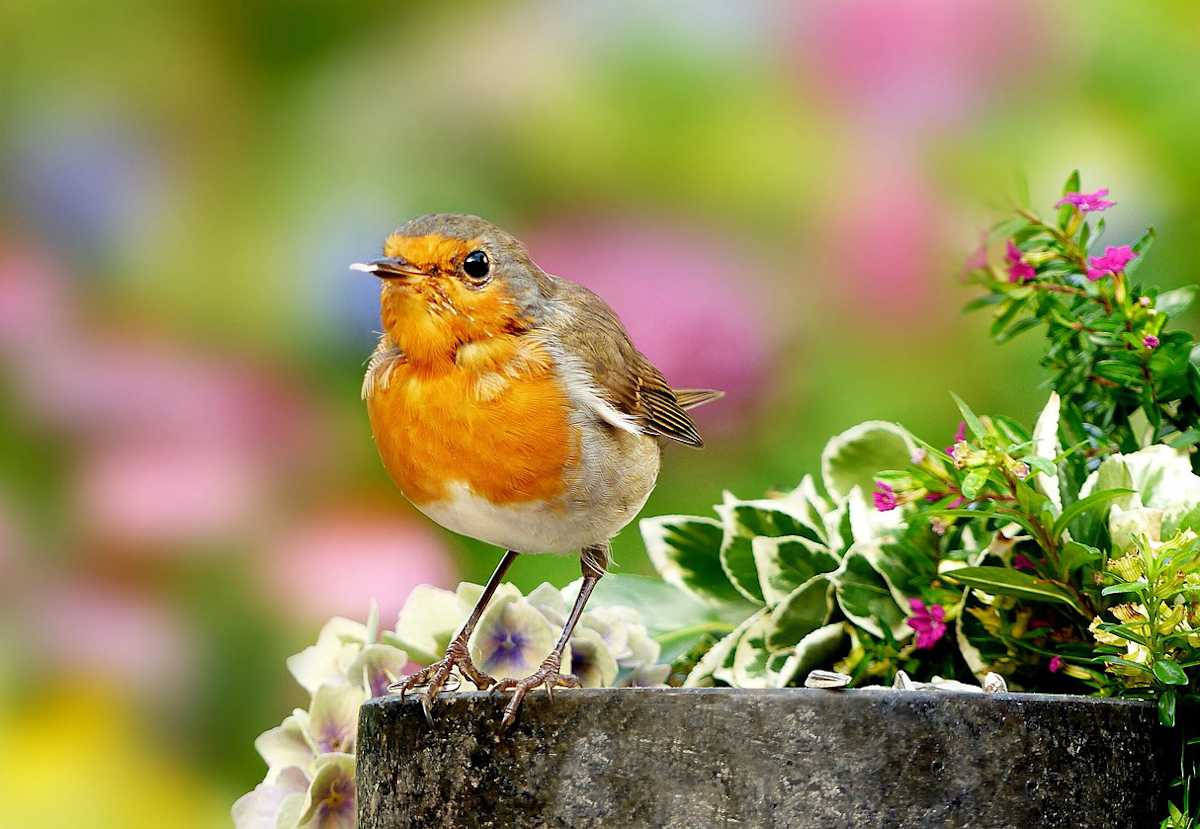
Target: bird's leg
{"x":594,"y":562}
{"x":433,"y":677}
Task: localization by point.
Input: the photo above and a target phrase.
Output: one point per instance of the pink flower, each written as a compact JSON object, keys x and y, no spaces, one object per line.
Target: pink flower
{"x":884,"y":497}
{"x":960,"y":434}
{"x":1150,"y":341}
{"x":335,"y":565}
{"x":168,"y":492}
{"x":1018,"y":269}
{"x":914,"y":66}
{"x":1021,"y":562}
{"x":1111,"y":263}
{"x":96,"y":633}
{"x":669,"y":282}
{"x":929,"y":622}
{"x":1087,"y":202}
{"x":1055,"y":665}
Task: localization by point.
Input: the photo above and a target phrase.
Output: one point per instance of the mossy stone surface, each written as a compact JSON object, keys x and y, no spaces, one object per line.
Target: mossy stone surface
{"x":745,"y":758}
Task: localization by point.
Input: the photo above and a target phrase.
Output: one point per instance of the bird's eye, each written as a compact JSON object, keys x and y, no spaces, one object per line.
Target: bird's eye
{"x":476,"y":265}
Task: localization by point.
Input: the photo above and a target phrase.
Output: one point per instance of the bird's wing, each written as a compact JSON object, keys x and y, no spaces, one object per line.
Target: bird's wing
{"x":594,"y":341}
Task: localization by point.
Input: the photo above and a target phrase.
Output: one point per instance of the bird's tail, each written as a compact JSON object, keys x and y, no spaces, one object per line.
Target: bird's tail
{"x":691,"y":398}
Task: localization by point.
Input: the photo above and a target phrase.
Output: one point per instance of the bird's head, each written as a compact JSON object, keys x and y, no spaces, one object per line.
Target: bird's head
{"x":449,"y":279}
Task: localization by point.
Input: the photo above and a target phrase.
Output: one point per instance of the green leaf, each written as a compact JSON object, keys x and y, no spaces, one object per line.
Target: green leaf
{"x":1009,"y":582}
{"x":1067,"y":211}
{"x":1119,"y":372}
{"x":1083,"y":505}
{"x":1072,"y":185}
{"x":1124,"y":587}
{"x":1074,"y":555}
{"x":1169,"y":672}
{"x":807,"y":608}
{"x":1185,"y":439}
{"x":1166,"y":708}
{"x":746,"y":520}
{"x":1141,"y":247}
{"x":786,"y":563}
{"x":686,"y":552}
{"x":719,"y":658}
{"x":973,"y":483}
{"x":973,"y":422}
{"x":737,"y":559}
{"x":817,"y":648}
{"x":983,"y":302}
{"x":1040,"y":465}
{"x":1125,"y":663}
{"x":857,"y":455}
{"x":1175,"y":302}
{"x":751,"y":657}
{"x":864,"y":598}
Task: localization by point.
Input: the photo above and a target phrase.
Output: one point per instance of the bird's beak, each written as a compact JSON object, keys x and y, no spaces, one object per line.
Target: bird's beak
{"x":392,"y":267}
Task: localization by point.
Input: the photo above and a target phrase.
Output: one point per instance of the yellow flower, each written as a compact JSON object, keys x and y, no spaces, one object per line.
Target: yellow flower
{"x":1128,"y":567}
{"x":1021,"y":624}
{"x":1103,"y":636}
{"x":88,"y":742}
{"x":988,"y":617}
{"x":1075,"y":671}
{"x":1130,"y":612}
{"x":1169,"y":618}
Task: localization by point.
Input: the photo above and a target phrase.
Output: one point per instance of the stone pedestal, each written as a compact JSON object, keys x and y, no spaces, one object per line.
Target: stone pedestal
{"x":699,"y":758}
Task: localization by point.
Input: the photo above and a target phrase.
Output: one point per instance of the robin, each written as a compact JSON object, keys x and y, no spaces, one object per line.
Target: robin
{"x":509,"y":405}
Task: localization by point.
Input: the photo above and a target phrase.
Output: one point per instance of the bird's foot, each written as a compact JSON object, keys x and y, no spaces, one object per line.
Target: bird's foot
{"x":549,"y":674}
{"x":433,"y":678}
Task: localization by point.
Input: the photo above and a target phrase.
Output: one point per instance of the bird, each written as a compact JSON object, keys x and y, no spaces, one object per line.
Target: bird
{"x":511,"y":406}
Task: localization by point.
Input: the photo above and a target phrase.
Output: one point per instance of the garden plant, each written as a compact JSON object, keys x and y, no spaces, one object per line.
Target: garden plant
{"x":1060,"y":551}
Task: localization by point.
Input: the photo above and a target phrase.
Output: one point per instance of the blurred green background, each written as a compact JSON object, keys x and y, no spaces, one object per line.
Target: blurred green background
{"x":776,"y":197}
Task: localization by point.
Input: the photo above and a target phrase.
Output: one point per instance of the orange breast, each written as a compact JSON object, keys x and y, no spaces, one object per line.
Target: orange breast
{"x":512,"y":443}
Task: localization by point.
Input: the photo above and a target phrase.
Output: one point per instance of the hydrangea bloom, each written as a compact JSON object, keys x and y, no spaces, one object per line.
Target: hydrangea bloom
{"x":929,"y":622}
{"x":310,"y":755}
{"x":1087,"y":202}
{"x":1113,"y":261}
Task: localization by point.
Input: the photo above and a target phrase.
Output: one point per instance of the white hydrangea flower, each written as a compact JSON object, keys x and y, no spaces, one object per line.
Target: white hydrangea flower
{"x":332,"y":797}
{"x":512,"y":637}
{"x":272,"y":803}
{"x":348,"y":652}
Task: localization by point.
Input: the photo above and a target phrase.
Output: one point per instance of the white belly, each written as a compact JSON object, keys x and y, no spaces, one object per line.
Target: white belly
{"x":530,"y":527}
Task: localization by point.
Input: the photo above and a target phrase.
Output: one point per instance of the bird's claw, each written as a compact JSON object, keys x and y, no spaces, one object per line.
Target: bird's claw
{"x":434,"y":678}
{"x":549,"y":675}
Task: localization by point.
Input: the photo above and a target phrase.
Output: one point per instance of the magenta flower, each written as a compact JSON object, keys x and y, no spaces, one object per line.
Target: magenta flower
{"x":884,"y":497}
{"x":1055,"y":665}
{"x":1018,"y":269}
{"x":1150,"y":341}
{"x":1021,"y":562}
{"x":929,"y":622}
{"x":1087,"y":202}
{"x":1111,"y":263}
{"x":960,"y":434}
